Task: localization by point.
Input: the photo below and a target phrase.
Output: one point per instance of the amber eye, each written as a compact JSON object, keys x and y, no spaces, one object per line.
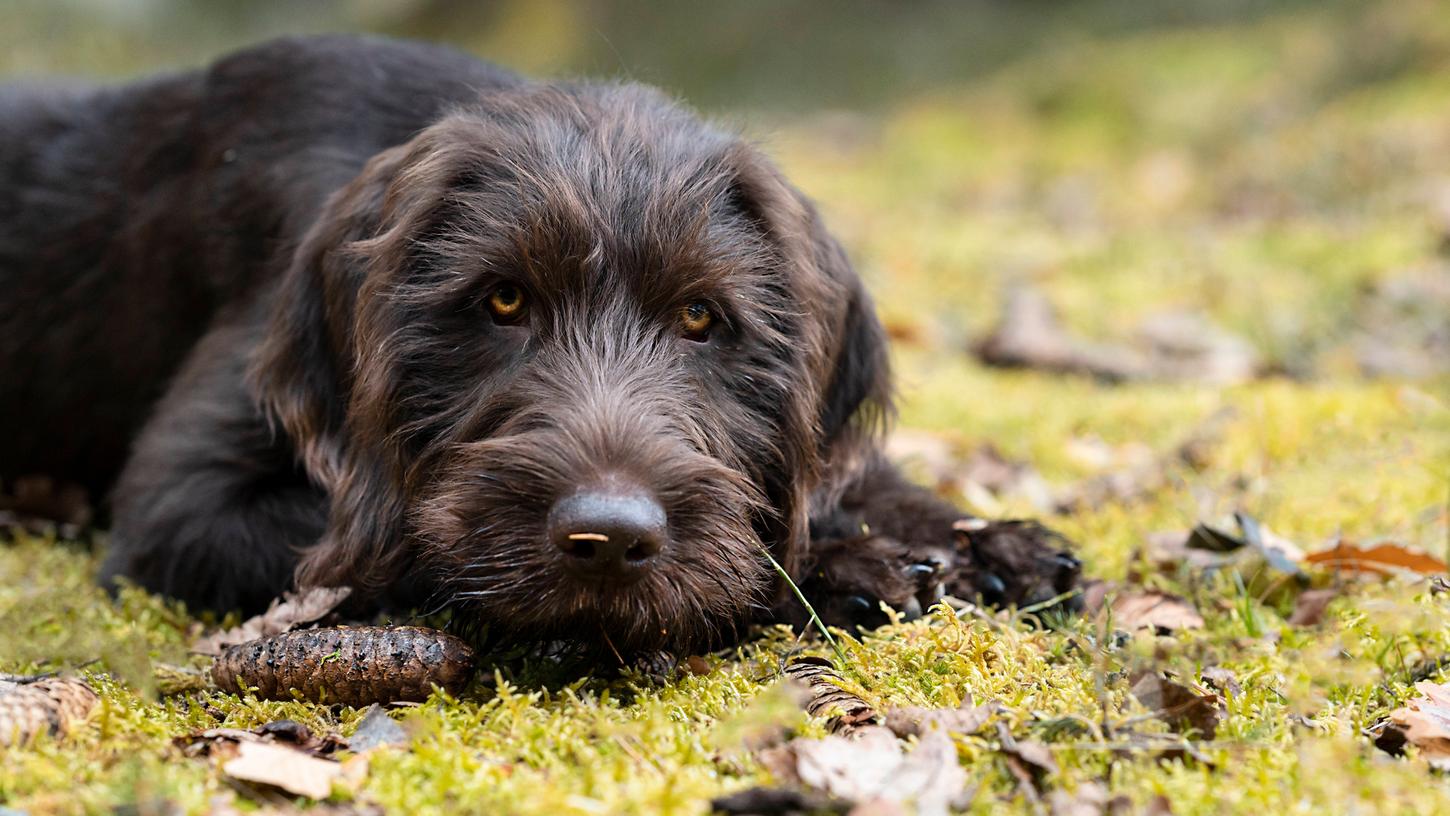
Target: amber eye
{"x":696,"y":320}
{"x":506,"y":302}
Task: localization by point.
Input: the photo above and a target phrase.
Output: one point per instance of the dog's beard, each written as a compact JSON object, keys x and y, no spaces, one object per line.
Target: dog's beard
{"x":485,"y":546}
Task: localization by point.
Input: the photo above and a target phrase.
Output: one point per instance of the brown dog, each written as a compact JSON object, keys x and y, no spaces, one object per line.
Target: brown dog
{"x":561,"y":356}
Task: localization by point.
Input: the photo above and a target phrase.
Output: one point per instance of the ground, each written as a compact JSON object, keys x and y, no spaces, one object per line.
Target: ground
{"x":1278,"y":176}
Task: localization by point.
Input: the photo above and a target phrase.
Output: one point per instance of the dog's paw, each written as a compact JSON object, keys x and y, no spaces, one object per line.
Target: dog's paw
{"x":851,"y":579}
{"x":653,"y":666}
{"x":1013,"y":563}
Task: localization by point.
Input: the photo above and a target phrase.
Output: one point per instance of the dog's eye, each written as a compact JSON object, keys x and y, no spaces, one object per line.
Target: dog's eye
{"x":506,"y":303}
{"x":696,"y":320}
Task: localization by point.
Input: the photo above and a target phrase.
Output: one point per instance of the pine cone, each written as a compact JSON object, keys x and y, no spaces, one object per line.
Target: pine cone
{"x":50,"y":706}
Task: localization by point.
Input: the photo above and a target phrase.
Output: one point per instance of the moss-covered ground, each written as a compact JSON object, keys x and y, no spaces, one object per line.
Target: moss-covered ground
{"x":1271,"y":174}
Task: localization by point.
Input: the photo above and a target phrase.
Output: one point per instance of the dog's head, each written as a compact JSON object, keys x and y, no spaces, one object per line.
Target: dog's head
{"x":573,"y":359}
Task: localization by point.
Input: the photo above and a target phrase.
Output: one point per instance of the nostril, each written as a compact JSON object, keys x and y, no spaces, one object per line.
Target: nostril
{"x":581,"y":545}
{"x":640,"y":550}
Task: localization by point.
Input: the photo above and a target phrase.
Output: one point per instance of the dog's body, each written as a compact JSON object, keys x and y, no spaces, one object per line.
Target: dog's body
{"x":439,"y":333}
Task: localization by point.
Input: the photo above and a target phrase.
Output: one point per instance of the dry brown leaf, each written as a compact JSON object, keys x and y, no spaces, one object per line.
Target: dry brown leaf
{"x":1187,"y":346}
{"x":1143,"y":478}
{"x":223,"y":742}
{"x":983,"y":475}
{"x":1171,"y":346}
{"x":1424,"y":722}
{"x":1095,"y":594}
{"x":913,"y":721}
{"x":1254,"y":537}
{"x":848,"y":713}
{"x":1170,"y":549}
{"x":1030,"y":334}
{"x":1030,"y":763}
{"x":1090,"y":799}
{"x":1159,"y":611}
{"x":1310,"y":605}
{"x":284,"y":767}
{"x":292,"y":610}
{"x":872,"y":768}
{"x":214,"y":742}
{"x":1183,"y":708}
{"x":1381,"y":559}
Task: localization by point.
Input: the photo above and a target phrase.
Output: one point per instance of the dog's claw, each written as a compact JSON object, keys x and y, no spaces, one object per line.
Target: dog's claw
{"x":911,"y":610}
{"x":920,"y":572}
{"x":992,"y":588}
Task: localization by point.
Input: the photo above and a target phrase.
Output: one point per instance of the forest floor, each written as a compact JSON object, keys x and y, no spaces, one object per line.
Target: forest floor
{"x":1282,"y":186}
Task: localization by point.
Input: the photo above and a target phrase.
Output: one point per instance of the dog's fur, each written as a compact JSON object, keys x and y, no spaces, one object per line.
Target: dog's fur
{"x":260,"y":288}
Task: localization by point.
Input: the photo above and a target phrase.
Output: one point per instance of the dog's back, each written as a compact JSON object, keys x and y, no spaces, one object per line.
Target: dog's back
{"x":130,"y":216}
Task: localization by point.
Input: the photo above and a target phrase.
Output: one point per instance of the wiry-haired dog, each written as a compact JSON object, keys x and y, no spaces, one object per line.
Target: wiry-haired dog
{"x":356,"y":312}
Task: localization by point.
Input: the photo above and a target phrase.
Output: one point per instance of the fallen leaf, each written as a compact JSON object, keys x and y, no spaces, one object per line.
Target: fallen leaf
{"x":224,"y":741}
{"x":1187,"y":346}
{"x":1029,"y":762}
{"x":376,"y":729}
{"x":847,"y":711}
{"x":1090,"y":799}
{"x":1404,"y":325}
{"x":214,"y":742}
{"x":1381,"y":559}
{"x":986,"y":468}
{"x":1148,"y":475}
{"x":1095,"y":594}
{"x":301,"y":737}
{"x":280,"y":766}
{"x":1168,"y":550}
{"x":1309,"y":607}
{"x":1254,"y":537}
{"x":1173,"y":346}
{"x":983,"y":475}
{"x":291,"y":611}
{"x":1184,"y":709}
{"x":872,"y":767}
{"x":1159,"y":611}
{"x":1029,"y":334}
{"x":1424,"y":722}
{"x":913,"y":721}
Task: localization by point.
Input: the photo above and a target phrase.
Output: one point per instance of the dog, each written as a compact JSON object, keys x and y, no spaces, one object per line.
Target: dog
{"x":561,"y":357}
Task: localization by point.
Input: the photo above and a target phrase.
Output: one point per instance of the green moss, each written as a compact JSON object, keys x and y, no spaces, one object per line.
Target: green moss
{"x":1263,"y":172}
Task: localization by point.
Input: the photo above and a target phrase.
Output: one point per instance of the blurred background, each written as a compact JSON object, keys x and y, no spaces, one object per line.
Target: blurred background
{"x":1089,"y":225}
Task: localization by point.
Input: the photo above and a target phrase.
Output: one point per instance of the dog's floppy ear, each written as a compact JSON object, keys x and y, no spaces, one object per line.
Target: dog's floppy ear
{"x":847,"y":401}
{"x":321,"y":371}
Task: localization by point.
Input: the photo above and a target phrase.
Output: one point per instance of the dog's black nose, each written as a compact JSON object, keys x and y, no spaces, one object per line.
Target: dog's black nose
{"x":608,"y":532}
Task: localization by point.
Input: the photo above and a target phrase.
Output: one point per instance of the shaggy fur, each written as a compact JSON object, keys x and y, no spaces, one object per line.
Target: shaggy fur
{"x":268,"y":281}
